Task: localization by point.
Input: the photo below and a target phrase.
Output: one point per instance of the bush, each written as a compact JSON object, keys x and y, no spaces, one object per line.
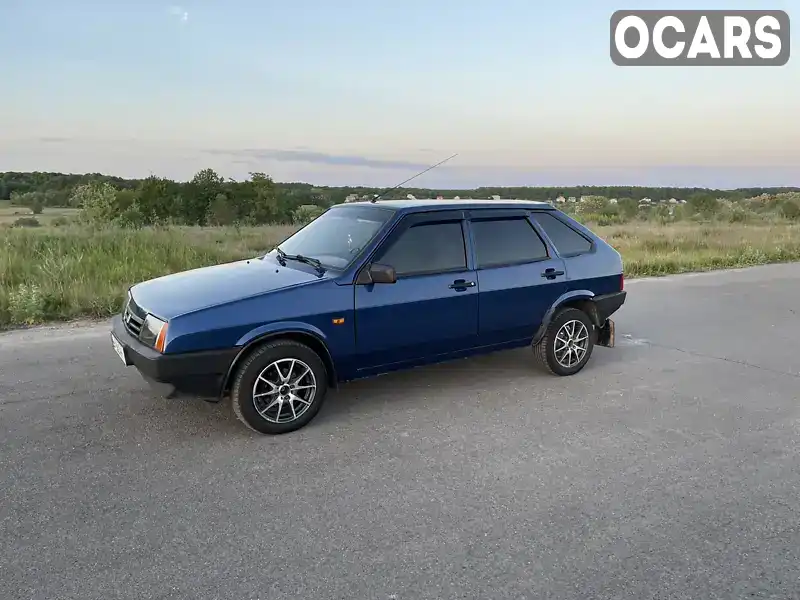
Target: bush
{"x":98,"y":201}
{"x":790,"y":210}
{"x":591,"y":205}
{"x":307,"y":213}
{"x":26,"y":304}
{"x":27,"y":222}
{"x":131,"y":218}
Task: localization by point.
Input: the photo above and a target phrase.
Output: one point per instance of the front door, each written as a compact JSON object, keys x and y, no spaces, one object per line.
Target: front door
{"x":432,"y":309}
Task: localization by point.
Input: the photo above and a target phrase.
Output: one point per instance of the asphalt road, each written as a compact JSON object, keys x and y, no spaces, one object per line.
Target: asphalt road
{"x":669,"y":468}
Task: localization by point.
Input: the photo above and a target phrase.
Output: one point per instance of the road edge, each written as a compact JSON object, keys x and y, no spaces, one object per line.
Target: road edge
{"x":95,"y":327}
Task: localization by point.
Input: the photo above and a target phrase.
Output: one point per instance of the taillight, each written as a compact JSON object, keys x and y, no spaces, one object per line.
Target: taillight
{"x":621,"y":281}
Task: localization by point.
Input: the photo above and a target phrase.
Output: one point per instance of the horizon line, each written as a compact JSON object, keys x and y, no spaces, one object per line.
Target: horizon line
{"x":455,"y":189}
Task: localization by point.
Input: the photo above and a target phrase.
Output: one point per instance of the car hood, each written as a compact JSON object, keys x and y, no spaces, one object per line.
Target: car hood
{"x":179,"y":293}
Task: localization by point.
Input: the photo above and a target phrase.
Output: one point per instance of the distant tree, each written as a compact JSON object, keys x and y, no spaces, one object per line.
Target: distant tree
{"x":221,"y":212}
{"x":31,"y":200}
{"x":703,"y":203}
{"x":306,"y":213}
{"x":198,"y":195}
{"x":156,"y":200}
{"x":98,"y":201}
{"x":264,"y":207}
{"x":126,"y":199}
{"x":628,"y":207}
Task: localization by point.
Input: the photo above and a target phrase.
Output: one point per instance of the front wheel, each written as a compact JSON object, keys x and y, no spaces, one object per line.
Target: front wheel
{"x":567,"y":344}
{"x":279,"y":388}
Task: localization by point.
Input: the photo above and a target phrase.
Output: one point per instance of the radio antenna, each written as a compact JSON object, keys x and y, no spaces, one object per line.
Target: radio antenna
{"x":391,"y":189}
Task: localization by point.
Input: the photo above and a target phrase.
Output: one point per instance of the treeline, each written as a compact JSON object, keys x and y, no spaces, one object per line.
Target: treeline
{"x":207,"y":199}
{"x":56,"y":189}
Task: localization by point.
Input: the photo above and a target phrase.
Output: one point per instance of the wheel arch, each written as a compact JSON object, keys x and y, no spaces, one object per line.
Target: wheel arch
{"x":296,"y":334}
{"x":580,"y":299}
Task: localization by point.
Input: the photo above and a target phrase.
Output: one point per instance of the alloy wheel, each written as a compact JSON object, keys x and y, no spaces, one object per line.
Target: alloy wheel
{"x":284,"y":390}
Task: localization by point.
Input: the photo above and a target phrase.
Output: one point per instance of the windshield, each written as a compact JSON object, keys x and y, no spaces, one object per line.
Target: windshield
{"x":337,"y":236}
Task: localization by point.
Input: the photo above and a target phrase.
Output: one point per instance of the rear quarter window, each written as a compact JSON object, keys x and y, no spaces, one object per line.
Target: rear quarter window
{"x":566,"y":240}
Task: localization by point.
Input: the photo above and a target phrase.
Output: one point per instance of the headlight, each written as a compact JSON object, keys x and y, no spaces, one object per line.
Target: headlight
{"x":154,"y":333}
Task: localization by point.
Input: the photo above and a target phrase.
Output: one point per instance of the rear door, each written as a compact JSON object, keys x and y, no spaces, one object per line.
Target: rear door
{"x":577,"y":251}
{"x":518,"y":278}
{"x":432,"y":309}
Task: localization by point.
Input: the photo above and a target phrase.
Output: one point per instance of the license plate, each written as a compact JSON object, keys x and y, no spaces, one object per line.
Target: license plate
{"x":119,"y":349}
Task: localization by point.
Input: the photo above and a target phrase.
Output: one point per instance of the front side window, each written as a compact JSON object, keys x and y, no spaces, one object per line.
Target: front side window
{"x":337,"y":236}
{"x":427,"y":248}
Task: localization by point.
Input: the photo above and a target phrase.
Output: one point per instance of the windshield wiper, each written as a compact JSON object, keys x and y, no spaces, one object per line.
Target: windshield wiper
{"x":283,"y":257}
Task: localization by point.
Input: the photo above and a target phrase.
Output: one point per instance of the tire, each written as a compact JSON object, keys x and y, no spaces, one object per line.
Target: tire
{"x":548,"y":349}
{"x":258,"y":407}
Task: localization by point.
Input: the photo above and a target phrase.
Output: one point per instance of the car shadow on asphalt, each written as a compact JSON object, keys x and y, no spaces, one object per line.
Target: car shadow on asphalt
{"x":401,"y":389}
{"x":464,"y":376}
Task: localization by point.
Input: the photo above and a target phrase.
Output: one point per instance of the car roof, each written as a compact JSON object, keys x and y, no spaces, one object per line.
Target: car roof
{"x":422,"y":204}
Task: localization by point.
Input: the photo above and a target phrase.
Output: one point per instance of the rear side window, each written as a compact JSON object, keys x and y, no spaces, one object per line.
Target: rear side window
{"x":566,"y":240}
{"x":427,"y":248}
{"x":506,"y":241}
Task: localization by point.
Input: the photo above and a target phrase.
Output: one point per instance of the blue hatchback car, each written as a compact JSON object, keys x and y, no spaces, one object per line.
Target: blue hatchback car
{"x":373,"y":287}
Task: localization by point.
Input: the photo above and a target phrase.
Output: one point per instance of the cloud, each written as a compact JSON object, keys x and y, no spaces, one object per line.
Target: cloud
{"x":320,"y":158}
{"x":53,"y":140}
{"x":179,"y":12}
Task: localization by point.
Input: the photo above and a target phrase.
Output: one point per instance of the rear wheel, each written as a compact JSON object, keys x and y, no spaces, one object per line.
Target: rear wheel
{"x":279,"y":388}
{"x":567,"y":344}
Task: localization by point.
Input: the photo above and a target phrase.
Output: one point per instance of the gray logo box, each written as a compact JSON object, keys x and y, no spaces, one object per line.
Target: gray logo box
{"x":768,"y":42}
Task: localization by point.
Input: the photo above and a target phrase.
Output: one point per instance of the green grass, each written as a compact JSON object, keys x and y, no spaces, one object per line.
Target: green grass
{"x":10,"y":213}
{"x":63,"y":273}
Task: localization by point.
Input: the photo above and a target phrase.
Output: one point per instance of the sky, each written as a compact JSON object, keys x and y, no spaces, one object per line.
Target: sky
{"x":369,"y":93}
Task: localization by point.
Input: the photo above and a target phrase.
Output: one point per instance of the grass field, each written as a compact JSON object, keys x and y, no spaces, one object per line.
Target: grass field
{"x":10,"y":213}
{"x":61,"y":273}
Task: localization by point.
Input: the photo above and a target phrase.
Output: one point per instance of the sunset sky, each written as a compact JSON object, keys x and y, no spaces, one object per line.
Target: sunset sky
{"x":367,"y":93}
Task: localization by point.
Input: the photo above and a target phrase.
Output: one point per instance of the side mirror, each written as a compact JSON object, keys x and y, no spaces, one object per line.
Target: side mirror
{"x":376,"y":273}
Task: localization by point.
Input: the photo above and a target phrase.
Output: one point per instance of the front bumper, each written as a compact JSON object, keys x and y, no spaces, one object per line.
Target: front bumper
{"x":194,"y":373}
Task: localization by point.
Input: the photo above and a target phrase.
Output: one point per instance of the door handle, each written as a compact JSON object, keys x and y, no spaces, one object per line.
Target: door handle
{"x":551,"y":273}
{"x":461,"y":284}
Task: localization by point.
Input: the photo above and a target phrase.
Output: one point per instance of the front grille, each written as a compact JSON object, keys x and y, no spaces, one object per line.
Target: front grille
{"x":132,"y":323}
{"x":133,"y":318}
